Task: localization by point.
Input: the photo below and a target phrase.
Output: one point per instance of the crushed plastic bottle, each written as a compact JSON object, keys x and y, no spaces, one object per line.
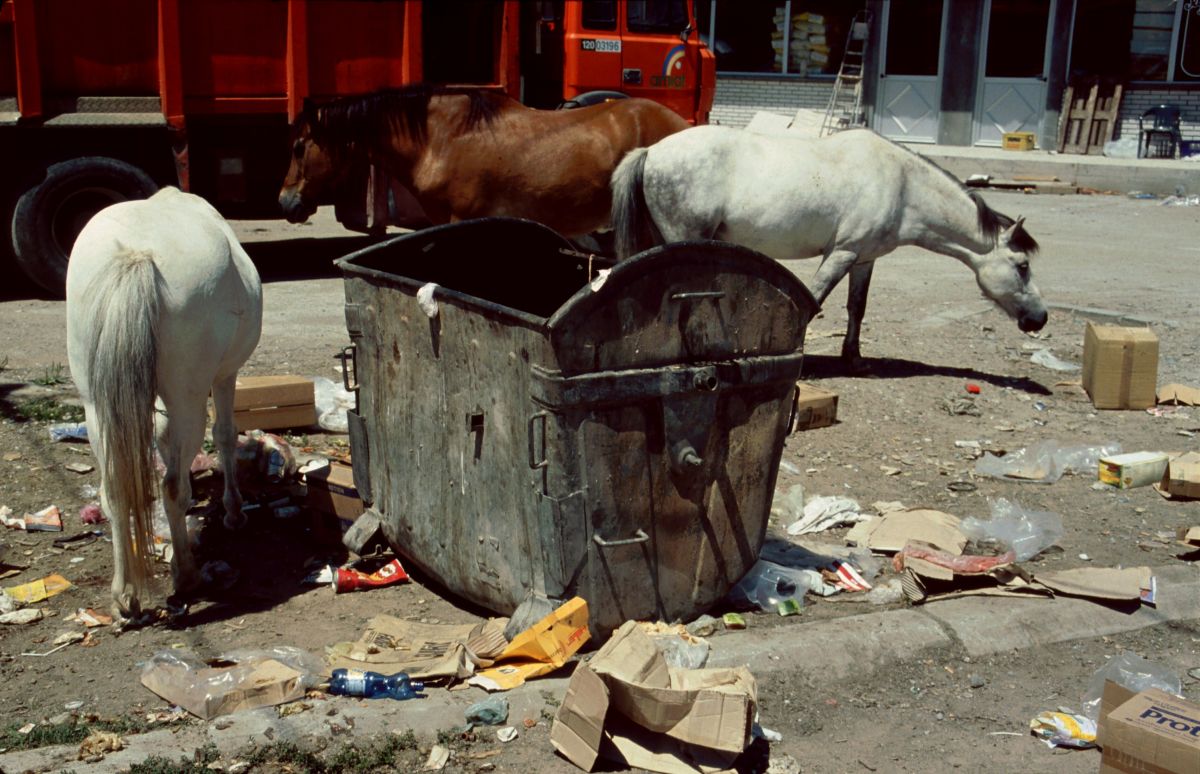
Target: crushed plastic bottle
{"x":373,"y":685}
{"x":69,"y":431}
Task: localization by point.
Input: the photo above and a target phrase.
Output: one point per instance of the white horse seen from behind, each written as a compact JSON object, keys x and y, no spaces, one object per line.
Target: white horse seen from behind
{"x":850,"y":198}
{"x":162,"y":302}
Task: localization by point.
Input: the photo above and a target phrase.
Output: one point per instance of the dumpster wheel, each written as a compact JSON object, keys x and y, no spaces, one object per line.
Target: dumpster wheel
{"x":49,"y":216}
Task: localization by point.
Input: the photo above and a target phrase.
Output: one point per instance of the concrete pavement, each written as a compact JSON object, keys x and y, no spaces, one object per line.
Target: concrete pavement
{"x":825,"y":650}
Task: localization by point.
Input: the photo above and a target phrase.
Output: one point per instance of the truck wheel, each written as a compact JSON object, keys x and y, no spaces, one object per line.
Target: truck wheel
{"x":49,"y":216}
{"x":589,"y":98}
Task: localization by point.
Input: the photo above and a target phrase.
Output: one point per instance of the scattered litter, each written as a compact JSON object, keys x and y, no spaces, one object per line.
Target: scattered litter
{"x":90,"y":618}
{"x":822,"y":513}
{"x":706,"y":625}
{"x":1044,"y":462}
{"x":98,"y":744}
{"x":1182,"y":478}
{"x":733,"y":621}
{"x":972,"y":388}
{"x":814,"y":407}
{"x":1178,"y":395}
{"x":266,"y":455}
{"x":1047,"y":359}
{"x":1061,"y":729}
{"x":232,"y":682}
{"x":506,"y":734}
{"x":49,"y":519}
{"x":342,"y":579}
{"x":218,"y":575}
{"x":962,"y":486}
{"x":63,"y":640}
{"x":7,"y":603}
{"x":789,"y":467}
{"x":891,"y":531}
{"x":424,"y":651}
{"x":788,"y":505}
{"x":1181,"y":201}
{"x":426,"y":301}
{"x":374,"y":685}
{"x":79,"y":467}
{"x":89,"y":492}
{"x":78,"y":539}
{"x":886,"y":593}
{"x":91,"y":514}
{"x":492,"y":711}
{"x":961,"y":407}
{"x":1128,"y":471}
{"x":439,"y":756}
{"x":1152,"y":730}
{"x":36,"y":591}
{"x":69,"y":431}
{"x":22,"y":617}
{"x":656,"y":717}
{"x":1085,"y":558}
{"x":1027,"y":533}
{"x":760,"y":732}
{"x":768,"y":585}
{"x":540,"y":649}
{"x":11,"y":456}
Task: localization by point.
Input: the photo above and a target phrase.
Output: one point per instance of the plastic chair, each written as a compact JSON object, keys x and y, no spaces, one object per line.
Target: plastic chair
{"x":1164,"y":127}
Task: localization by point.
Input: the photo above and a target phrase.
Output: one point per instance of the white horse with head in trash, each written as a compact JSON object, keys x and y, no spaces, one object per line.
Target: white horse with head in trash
{"x":849,"y":198}
{"x":163,"y":305}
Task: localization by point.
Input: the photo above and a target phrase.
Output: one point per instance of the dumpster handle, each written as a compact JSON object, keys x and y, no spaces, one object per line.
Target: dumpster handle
{"x":638,"y":537}
{"x":698,"y":294}
{"x":534,"y":462}
{"x":348,"y":357}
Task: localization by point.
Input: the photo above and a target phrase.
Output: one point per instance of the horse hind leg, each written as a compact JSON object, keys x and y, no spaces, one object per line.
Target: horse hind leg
{"x":225,"y":436}
{"x":180,"y":435}
{"x":126,"y":604}
{"x":856,"y":306}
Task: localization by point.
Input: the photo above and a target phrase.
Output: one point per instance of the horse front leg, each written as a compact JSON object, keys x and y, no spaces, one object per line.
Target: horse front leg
{"x":856,"y":306}
{"x":225,"y":437}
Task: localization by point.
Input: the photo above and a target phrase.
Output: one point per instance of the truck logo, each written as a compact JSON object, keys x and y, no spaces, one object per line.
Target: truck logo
{"x":601,"y":45}
{"x":672,"y":73}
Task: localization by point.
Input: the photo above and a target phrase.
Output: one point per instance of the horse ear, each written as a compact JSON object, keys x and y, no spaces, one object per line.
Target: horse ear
{"x":1009,"y":233}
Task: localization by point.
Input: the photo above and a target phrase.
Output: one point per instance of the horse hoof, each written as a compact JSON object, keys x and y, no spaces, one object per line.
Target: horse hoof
{"x":235,"y":521}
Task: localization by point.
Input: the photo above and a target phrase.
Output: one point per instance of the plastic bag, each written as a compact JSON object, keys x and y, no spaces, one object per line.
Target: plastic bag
{"x":1124,"y":148}
{"x":333,"y":401}
{"x":1131,"y":671}
{"x":768,"y":585}
{"x":265,"y":454}
{"x":680,"y":648}
{"x":1062,"y":729}
{"x":1047,"y":359}
{"x":492,"y":711}
{"x":1027,"y":533}
{"x":1181,"y":201}
{"x":822,"y":513}
{"x":1045,"y":462}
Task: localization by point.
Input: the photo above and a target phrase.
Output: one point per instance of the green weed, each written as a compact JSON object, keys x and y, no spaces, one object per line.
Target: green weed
{"x":197,"y":764}
{"x":47,"y":409}
{"x":52,"y":376}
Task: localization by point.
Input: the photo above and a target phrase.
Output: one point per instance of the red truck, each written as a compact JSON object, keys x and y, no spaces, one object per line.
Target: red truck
{"x":105,"y":100}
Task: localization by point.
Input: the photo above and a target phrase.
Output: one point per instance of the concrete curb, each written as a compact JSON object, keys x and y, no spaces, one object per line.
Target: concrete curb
{"x":827,"y":650}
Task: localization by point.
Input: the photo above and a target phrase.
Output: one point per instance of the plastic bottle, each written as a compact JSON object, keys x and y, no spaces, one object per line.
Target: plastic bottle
{"x":373,"y":685}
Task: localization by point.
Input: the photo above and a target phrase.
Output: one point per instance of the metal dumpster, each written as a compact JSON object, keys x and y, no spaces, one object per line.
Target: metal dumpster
{"x":556,"y":430}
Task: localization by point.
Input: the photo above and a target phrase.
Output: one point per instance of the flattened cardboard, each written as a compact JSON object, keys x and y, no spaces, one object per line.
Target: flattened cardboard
{"x":1152,"y":732}
{"x":1128,"y":471}
{"x":1124,"y":584}
{"x":540,"y":649}
{"x":627,"y":705}
{"x":1178,"y":395}
{"x":925,"y":581}
{"x":425,"y":651}
{"x":815,"y":407}
{"x":207,"y":693}
{"x":1189,"y":536}
{"x":331,"y":490}
{"x":891,"y":531}
{"x":1120,"y":366}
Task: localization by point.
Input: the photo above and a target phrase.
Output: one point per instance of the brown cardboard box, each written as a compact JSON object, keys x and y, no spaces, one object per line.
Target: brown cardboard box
{"x":1182,"y":478}
{"x":273,"y":403}
{"x":626,"y":704}
{"x":1120,"y":366}
{"x":1127,"y":471}
{"x":210,"y":691}
{"x":331,"y":490}
{"x":814,"y":407}
{"x":1152,"y":732}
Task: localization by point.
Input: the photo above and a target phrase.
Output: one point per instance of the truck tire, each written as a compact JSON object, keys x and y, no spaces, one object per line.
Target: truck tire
{"x":589,"y":98}
{"x":49,"y":216}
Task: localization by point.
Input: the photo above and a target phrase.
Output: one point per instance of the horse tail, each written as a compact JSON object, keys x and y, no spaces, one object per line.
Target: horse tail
{"x":122,"y":367}
{"x":631,"y":221}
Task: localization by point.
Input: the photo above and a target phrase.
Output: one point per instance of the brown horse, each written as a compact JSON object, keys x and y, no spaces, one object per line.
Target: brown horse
{"x":469,"y":153}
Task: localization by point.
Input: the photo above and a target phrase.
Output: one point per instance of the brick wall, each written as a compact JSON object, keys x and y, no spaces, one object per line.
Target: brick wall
{"x":738,"y":98}
{"x":1134,"y":103}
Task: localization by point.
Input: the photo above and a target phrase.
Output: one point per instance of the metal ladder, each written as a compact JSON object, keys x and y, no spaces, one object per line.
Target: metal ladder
{"x":845,"y":108}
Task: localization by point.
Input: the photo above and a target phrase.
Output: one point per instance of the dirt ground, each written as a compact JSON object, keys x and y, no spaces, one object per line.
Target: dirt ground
{"x":928,"y":333}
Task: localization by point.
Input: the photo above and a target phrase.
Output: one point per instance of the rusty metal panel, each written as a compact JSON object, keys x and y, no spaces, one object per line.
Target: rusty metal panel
{"x":559,"y":431}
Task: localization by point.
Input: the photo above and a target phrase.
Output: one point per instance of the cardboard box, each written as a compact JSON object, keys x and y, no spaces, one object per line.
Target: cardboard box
{"x":627,"y":705}
{"x":815,"y":407}
{"x":210,"y":691}
{"x":273,"y":403}
{"x":1182,"y":476}
{"x":1126,"y":471}
{"x":1018,"y":141}
{"x":331,"y":490}
{"x":1120,"y":366}
{"x":1152,"y":732}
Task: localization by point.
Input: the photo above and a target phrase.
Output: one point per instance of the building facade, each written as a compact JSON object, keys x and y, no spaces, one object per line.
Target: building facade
{"x":958,"y":72}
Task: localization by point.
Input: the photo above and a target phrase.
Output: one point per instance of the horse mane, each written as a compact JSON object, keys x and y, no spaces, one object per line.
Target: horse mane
{"x":991,"y":222}
{"x":347,"y":120}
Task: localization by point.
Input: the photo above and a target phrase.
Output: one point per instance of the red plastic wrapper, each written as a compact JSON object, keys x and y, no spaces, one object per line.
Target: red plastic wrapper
{"x":91,"y":514}
{"x":972,"y":388}
{"x":966,"y":564}
{"x":343,"y":579}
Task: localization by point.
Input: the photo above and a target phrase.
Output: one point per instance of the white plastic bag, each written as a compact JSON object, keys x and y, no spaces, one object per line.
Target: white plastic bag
{"x":1124,"y":148}
{"x":1133,"y":672}
{"x":1026,"y":532}
{"x":1045,"y":462}
{"x":333,"y":401}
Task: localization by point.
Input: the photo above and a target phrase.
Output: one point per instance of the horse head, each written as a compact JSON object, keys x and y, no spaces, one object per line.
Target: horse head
{"x":1005,"y":277}
{"x":316,"y":167}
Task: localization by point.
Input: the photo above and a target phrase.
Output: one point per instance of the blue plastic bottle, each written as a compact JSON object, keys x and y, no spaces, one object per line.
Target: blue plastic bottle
{"x":373,"y":685}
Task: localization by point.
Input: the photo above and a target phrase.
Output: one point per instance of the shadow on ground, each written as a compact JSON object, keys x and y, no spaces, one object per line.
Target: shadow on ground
{"x":829,"y":366}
